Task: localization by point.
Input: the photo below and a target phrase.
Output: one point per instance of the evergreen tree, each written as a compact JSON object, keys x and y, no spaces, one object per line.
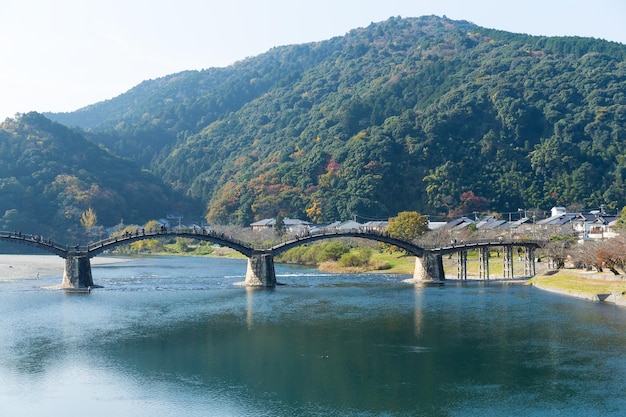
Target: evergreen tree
{"x":279,"y":226}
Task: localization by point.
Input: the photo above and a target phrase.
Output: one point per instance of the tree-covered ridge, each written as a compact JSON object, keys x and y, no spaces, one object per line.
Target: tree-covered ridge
{"x":50,"y":175}
{"x":424,"y":114}
{"x":152,"y":116}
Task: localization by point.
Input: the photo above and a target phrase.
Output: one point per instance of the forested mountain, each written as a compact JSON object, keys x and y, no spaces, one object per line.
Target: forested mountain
{"x":50,"y":175}
{"x":426,"y":114}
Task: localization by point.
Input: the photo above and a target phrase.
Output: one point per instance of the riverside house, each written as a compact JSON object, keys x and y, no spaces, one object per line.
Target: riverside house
{"x":293,"y":226}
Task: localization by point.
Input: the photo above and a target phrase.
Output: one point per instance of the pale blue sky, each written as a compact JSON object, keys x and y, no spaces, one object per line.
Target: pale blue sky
{"x":60,"y":55}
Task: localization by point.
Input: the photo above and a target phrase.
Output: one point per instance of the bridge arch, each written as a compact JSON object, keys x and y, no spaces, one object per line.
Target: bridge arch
{"x":379,"y":237}
{"x":34,"y":241}
{"x":96,"y":248}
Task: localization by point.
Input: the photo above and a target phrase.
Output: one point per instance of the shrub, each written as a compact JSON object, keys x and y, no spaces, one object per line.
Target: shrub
{"x":332,"y":251}
{"x":204,"y":249}
{"x":181,"y":245}
{"x":358,"y":257}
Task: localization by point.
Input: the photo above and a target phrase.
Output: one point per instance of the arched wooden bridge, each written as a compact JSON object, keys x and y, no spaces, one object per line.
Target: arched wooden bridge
{"x":260,"y":270}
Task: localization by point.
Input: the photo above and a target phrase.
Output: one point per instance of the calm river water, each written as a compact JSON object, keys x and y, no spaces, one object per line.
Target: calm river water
{"x":175,"y":337}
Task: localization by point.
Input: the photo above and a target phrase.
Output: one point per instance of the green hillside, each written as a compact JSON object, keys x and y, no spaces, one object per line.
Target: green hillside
{"x":427,"y":114}
{"x":50,"y":175}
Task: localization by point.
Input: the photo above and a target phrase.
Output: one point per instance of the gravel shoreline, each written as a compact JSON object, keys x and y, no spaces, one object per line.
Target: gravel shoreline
{"x":39,"y":266}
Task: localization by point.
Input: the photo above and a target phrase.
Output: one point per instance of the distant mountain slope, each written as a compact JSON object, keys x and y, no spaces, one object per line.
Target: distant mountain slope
{"x":426,"y":114}
{"x":50,"y":175}
{"x":150,"y":96}
{"x":152,"y":116}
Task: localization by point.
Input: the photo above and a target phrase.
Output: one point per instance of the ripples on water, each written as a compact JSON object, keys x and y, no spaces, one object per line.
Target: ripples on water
{"x":176,"y":336}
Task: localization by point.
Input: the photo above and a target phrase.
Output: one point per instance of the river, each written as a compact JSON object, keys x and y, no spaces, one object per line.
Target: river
{"x":174,"y":336}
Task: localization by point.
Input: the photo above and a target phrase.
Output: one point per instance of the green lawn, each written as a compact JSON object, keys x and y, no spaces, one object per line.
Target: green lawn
{"x":399,"y":263}
{"x":580,"y":282}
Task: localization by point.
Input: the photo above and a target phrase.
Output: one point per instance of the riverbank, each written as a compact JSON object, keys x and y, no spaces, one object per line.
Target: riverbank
{"x":39,"y":266}
{"x":593,"y":286}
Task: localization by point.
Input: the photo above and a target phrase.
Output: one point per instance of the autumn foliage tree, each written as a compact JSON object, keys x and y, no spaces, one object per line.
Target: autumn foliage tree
{"x":88,"y":219}
{"x":470,"y":203}
{"x":407,"y":225}
{"x":612,"y":254}
{"x":607,"y":254}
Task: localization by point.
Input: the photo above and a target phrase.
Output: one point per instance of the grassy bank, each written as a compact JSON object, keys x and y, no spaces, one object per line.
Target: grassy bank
{"x":581,"y":284}
{"x":397,"y":262}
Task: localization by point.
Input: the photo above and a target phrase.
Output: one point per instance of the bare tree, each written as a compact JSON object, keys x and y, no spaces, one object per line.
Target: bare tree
{"x":557,"y":251}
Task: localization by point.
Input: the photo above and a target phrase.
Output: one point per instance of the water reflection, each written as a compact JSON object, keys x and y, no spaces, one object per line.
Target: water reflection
{"x":250,"y":306}
{"x":418,"y":316}
{"x":192,"y":343}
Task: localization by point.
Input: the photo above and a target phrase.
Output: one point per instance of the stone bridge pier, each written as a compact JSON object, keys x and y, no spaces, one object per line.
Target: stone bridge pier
{"x":260,"y":270}
{"x":77,"y":273}
{"x":428,"y":268}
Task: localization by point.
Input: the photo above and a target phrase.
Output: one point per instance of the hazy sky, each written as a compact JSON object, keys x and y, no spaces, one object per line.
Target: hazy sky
{"x":60,"y":55}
